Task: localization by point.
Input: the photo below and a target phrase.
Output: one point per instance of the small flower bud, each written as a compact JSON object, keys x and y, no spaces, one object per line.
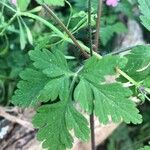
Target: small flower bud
{"x":113,"y":3}
{"x":14,"y":2}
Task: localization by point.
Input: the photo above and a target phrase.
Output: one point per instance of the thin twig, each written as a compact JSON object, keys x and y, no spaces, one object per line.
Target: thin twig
{"x":92,"y":127}
{"x":65,"y":29}
{"x":92,"y":124}
{"x":4,"y":114}
{"x":97,"y":34}
{"x":89,"y":27}
{"x":126,"y":49}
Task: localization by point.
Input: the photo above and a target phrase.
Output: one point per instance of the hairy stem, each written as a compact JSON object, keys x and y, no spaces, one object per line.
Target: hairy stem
{"x":65,"y":29}
{"x":89,"y":27}
{"x":126,"y":49}
{"x":99,"y":13}
{"x":58,"y":32}
{"x":91,"y":53}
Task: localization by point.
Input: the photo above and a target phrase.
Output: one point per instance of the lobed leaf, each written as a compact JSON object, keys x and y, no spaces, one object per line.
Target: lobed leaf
{"x":113,"y":100}
{"x":52,"y":64}
{"x":54,"y":121}
{"x":95,"y":70}
{"x":29,"y":88}
{"x":37,"y":86}
{"x":144,"y":6}
{"x":138,"y":66}
{"x":110,"y":100}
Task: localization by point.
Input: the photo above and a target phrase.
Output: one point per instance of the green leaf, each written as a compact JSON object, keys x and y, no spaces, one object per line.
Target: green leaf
{"x":52,"y":2}
{"x":78,"y":123}
{"x":83,"y":94}
{"x":113,"y":100}
{"x":29,"y":34}
{"x":138,"y":66}
{"x":54,"y":121}
{"x":54,"y":88}
{"x":146,"y":82}
{"x":23,"y":4}
{"x":22,"y":35}
{"x":144,"y":6}
{"x":108,"y":31}
{"x":110,"y":100}
{"x":53,"y":64}
{"x":29,"y":88}
{"x":53,"y":131}
{"x":126,"y":8}
{"x":37,"y":86}
{"x":95,"y":69}
{"x":145,"y":148}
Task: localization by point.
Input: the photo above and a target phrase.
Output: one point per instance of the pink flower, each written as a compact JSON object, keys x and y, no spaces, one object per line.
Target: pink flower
{"x":113,"y":3}
{"x":14,"y":2}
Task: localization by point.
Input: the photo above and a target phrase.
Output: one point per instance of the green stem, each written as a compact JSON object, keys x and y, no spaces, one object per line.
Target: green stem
{"x":97,"y":34}
{"x":71,"y":12}
{"x":92,"y":122}
{"x":8,"y":6}
{"x":75,"y":76}
{"x":52,"y":27}
{"x":10,"y":21}
{"x":131,"y":80}
{"x":2,"y":77}
{"x":87,"y":49}
{"x":58,"y":32}
{"x":128,"y":77}
{"x":65,"y":29}
{"x":79,"y":25}
{"x":2,"y":10}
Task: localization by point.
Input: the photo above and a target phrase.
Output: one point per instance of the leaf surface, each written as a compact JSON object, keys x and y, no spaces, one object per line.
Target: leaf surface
{"x":144,"y":6}
{"x":110,"y":100}
{"x":138,"y":66}
{"x":29,"y":88}
{"x":50,"y":81}
{"x":54,"y":121}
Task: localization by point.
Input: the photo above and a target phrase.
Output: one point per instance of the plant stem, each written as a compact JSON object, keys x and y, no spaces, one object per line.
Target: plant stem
{"x":52,"y":27}
{"x":65,"y":29}
{"x":71,"y":13}
{"x":92,"y":123}
{"x":128,"y":77}
{"x":11,"y":8}
{"x":99,"y":13}
{"x":10,"y":21}
{"x":131,"y":80}
{"x":6,"y":78}
{"x":126,"y":49}
{"x":58,"y":32}
{"x":75,"y":76}
{"x":89,"y":27}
